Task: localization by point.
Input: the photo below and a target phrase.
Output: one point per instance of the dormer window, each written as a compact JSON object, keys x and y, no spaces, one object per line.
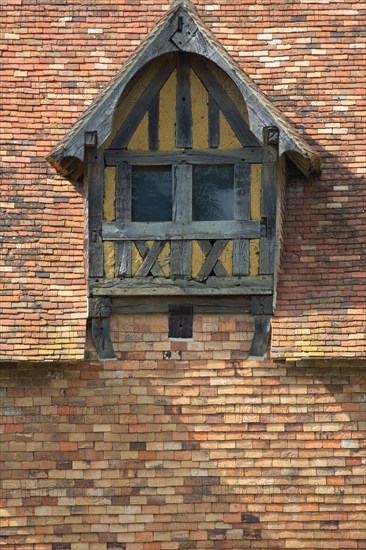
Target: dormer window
{"x":181,"y":158}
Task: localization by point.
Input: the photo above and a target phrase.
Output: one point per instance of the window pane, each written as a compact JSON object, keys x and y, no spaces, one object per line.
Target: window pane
{"x":151,"y":193}
{"x":213,"y":192}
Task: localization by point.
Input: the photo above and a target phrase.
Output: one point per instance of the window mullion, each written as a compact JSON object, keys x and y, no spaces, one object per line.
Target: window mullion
{"x":181,"y":251}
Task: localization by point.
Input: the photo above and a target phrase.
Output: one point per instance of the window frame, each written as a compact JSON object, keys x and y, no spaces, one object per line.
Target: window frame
{"x":182,"y":187}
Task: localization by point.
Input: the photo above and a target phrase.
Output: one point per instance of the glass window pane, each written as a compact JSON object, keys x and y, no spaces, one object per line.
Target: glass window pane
{"x":213,"y":192}
{"x":151,"y":193}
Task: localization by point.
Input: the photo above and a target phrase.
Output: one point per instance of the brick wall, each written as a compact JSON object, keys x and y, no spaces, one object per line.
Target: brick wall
{"x":182,"y":446}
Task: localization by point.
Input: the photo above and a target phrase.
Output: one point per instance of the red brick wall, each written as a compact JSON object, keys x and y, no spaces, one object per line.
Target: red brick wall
{"x":183,"y":446}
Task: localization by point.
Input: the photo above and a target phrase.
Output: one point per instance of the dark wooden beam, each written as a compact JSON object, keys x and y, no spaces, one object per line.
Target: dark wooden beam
{"x":261,"y":336}
{"x":183,"y":136}
{"x":269,"y":200}
{"x":247,"y":229}
{"x":248,"y":155}
{"x":100,"y":312}
{"x":94,"y":176}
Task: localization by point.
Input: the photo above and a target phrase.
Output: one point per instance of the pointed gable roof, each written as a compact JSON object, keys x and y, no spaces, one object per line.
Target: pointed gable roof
{"x":180,"y":29}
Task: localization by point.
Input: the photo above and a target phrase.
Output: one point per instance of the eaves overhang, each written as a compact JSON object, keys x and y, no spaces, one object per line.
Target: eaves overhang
{"x":180,"y":29}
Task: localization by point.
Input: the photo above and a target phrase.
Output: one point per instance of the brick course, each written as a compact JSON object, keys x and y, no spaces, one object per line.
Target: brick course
{"x":308,"y":59}
{"x":195,"y":452}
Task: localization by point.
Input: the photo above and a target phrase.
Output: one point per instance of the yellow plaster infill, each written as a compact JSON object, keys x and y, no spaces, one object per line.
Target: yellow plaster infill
{"x":256,"y":191}
{"x":109,"y":199}
{"x":109,"y":259}
{"x":199,"y":97}
{"x":164,"y":259}
{"x":140,"y":139}
{"x":131,"y":95}
{"x":228,"y":139}
{"x":254,"y":257}
{"x":198,"y":257}
{"x":226,"y":258}
{"x":167,"y":114}
{"x":231,"y":89}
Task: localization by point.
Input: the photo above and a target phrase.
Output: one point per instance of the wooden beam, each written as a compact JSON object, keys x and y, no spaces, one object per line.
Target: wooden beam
{"x":94,"y":175}
{"x":248,"y":229}
{"x":225,"y":103}
{"x":249,"y":154}
{"x":183,"y":135}
{"x":213,"y":286}
{"x":100,"y":312}
{"x":261,"y":336}
{"x":123,"y":214}
{"x":269,"y":200}
{"x":212,"y":262}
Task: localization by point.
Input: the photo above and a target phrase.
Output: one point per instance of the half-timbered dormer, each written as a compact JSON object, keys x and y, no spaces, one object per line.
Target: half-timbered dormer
{"x":183,"y":159}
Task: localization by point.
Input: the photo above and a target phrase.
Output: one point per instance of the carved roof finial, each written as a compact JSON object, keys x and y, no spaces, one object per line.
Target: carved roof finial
{"x":187,"y":4}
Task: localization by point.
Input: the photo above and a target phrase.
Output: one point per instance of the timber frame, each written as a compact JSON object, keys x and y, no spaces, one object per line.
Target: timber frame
{"x":183,"y":43}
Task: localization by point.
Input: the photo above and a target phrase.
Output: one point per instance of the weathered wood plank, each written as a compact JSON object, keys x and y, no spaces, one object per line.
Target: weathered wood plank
{"x":248,"y":229}
{"x":183,"y":135}
{"x":123,"y":214}
{"x":144,"y":251}
{"x":261,"y":336}
{"x":181,"y":251}
{"x":218,"y":268}
{"x":137,"y":113}
{"x":211,"y":259}
{"x":201,"y":304}
{"x":269,"y":200}
{"x":213,"y":123}
{"x":94,"y":178}
{"x":181,"y":258}
{"x":101,"y":334}
{"x":242,"y":184}
{"x":225,"y":103}
{"x":241,"y":257}
{"x":249,"y":154}
{"x":266,"y":255}
{"x":153,"y":128}
{"x":182,"y":192}
{"x":180,"y":321}
{"x":150,"y":259}
{"x":123,"y":258}
{"x":143,"y":286}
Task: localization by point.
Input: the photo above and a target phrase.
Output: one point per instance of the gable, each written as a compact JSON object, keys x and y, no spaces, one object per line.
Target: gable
{"x":180,"y":30}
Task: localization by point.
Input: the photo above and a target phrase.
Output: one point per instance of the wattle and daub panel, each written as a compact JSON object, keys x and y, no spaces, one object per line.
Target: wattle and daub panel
{"x":183,"y":200}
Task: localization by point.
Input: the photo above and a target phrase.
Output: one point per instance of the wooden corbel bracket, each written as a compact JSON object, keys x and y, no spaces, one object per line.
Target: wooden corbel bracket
{"x":100,"y":313}
{"x":262,"y":311}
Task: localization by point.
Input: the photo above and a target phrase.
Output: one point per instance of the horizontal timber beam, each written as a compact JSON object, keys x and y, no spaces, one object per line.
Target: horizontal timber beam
{"x":134,"y":231}
{"x":144,"y":286}
{"x":247,"y":154}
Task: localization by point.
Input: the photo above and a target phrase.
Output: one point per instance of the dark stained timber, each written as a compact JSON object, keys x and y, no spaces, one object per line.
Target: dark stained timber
{"x":94,"y":175}
{"x":184,"y":104}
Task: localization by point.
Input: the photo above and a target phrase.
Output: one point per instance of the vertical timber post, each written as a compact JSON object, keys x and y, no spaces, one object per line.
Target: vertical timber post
{"x":94,"y":173}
